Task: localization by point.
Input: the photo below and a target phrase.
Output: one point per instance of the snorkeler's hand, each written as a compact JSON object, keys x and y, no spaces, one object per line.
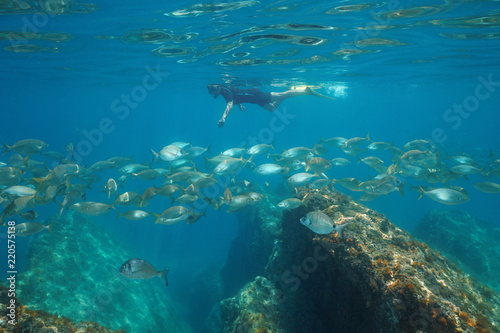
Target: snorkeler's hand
{"x":221,"y":123}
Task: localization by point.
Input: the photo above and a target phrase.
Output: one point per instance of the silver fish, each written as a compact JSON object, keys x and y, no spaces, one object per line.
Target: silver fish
{"x":134,"y":215}
{"x":447,"y":196}
{"x":487,"y":187}
{"x":26,"y":147}
{"x":268,"y":169}
{"x":20,"y":190}
{"x":91,"y":208}
{"x":30,"y":228}
{"x":300,"y":179}
{"x":136,"y":268}
{"x":290,"y":203}
{"x":321,"y":223}
{"x":259,"y":149}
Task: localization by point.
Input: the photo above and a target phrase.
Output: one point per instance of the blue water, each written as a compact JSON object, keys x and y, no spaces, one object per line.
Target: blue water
{"x":396,"y":93}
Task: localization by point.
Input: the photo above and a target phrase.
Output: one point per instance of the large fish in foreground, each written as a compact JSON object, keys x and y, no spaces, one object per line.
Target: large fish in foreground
{"x":321,"y":223}
{"x":136,"y":268}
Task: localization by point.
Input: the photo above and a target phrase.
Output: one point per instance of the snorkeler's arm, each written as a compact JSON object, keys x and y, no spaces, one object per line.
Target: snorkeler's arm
{"x":229,"y":107}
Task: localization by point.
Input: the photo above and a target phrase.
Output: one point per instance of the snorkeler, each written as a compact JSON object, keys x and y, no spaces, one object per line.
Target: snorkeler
{"x":269,"y":101}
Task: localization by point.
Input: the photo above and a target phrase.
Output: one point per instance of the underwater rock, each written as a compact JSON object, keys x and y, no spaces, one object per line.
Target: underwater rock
{"x":253,"y":309}
{"x":460,"y":236}
{"x":249,"y":252}
{"x":28,"y":320}
{"x":206,"y":291}
{"x":73,"y":272}
{"x":377,"y":278}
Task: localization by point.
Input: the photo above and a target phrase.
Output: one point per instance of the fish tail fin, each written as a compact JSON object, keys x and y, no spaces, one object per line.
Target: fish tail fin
{"x":155,"y":156}
{"x":401,"y":189}
{"x":420,"y":190}
{"x":163,"y":275}
{"x":6,"y":148}
{"x":49,"y":227}
{"x":368,"y":137}
{"x":340,"y":229}
{"x":208,"y":148}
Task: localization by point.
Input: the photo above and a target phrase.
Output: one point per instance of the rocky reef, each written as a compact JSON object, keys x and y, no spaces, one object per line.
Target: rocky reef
{"x":27,"y":320}
{"x":73,"y":272}
{"x":473,"y":243}
{"x":377,"y":278}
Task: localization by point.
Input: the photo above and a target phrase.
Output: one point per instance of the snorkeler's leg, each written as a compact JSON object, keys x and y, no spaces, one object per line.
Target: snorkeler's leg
{"x":280,"y":97}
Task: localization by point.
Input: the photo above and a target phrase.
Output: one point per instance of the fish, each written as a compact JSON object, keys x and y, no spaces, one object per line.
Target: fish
{"x":351,"y":184}
{"x":319,"y":149}
{"x":418,"y":144}
{"x":186,"y":198}
{"x":134,"y":215}
{"x":465,"y":169}
{"x":447,"y":196}
{"x":30,"y":228}
{"x":296,"y":153}
{"x":371,"y":160}
{"x":261,"y":148}
{"x":29,"y":215}
{"x":136,"y":268}
{"x":462,"y":159}
{"x":299,"y":179}
{"x":69,"y":148}
{"x":26,"y":147}
{"x":228,"y":196}
{"x":230,"y":165}
{"x":355,"y":142}
{"x":290,"y":203}
{"x":379,"y":145}
{"x":20,"y":191}
{"x":147,"y":174}
{"x":234,"y":152}
{"x":211,"y":163}
{"x":487,"y":187}
{"x":129,"y":198}
{"x":111,"y":187}
{"x":168,"y":153}
{"x":193,"y":152}
{"x":168,"y":190}
{"x":321,"y":223}
{"x":268,"y":169}
{"x":340,"y":161}
{"x":119,"y":161}
{"x":102,"y":165}
{"x":382,"y":184}
{"x":172,"y":215}
{"x":181,"y":144}
{"x":335,"y":141}
{"x":132,"y":168}
{"x":318,"y":165}
{"x":91,"y":208}
{"x":194,"y":217}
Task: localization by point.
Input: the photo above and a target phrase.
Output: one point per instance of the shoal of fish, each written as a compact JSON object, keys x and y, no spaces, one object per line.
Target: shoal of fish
{"x":32,"y":176}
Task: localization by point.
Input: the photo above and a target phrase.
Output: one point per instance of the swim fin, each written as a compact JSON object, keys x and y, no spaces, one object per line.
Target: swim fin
{"x":314,"y":93}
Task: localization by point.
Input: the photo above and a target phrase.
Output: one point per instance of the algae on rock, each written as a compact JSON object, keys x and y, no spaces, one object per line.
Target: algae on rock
{"x":377,"y":278}
{"x":473,"y":243}
{"x":73,"y":272}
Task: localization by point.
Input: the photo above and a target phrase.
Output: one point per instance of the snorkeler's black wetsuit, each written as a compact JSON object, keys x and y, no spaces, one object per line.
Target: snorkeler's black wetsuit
{"x":239,"y":96}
